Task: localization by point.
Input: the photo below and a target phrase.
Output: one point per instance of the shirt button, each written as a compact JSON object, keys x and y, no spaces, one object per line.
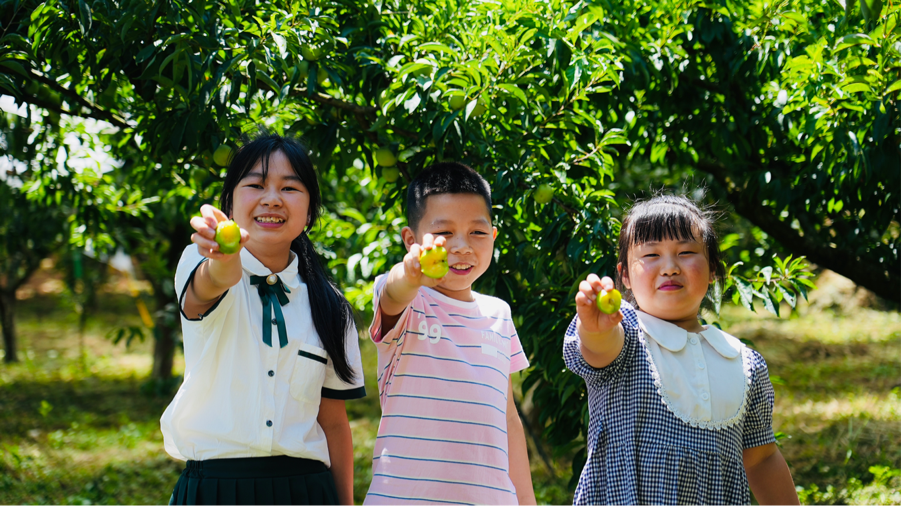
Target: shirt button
{"x":705,"y":395}
{"x":274,"y":321}
{"x":269,"y":422}
{"x":271,"y":373}
{"x":694,"y":340}
{"x":700,"y":366}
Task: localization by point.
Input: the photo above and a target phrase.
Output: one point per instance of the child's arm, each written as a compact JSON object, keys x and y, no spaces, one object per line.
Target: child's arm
{"x":768,"y":475}
{"x":520,"y":471}
{"x":601,"y":335}
{"x":333,"y":420}
{"x":218,"y":274}
{"x":404,"y":281}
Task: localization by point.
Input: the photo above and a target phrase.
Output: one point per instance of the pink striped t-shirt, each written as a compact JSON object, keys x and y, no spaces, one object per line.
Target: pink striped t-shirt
{"x":443,"y":375}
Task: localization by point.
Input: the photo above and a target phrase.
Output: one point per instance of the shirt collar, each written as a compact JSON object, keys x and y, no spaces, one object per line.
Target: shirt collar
{"x":673,"y":338}
{"x":289,"y":276}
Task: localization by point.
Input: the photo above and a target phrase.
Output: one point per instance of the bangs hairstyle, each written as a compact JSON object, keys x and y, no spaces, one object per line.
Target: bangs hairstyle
{"x":332,"y":313}
{"x":667,"y":217}
{"x":444,"y":177}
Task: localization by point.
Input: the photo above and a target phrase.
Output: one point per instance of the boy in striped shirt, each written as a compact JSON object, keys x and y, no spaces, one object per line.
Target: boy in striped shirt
{"x":450,"y":431}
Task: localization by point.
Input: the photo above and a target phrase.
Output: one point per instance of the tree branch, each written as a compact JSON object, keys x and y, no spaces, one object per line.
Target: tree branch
{"x":96,"y":112}
{"x":862,"y":269}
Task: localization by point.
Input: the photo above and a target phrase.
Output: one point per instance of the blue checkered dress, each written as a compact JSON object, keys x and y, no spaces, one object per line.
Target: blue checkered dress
{"x":640,"y":452}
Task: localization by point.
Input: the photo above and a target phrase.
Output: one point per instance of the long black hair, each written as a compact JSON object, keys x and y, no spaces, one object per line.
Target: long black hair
{"x":332,"y":313}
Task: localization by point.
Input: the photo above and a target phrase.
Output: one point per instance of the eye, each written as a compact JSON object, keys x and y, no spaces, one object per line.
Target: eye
{"x":444,"y":232}
{"x":253,"y":185}
{"x":650,"y":255}
{"x":479,"y":232}
{"x":291,"y":188}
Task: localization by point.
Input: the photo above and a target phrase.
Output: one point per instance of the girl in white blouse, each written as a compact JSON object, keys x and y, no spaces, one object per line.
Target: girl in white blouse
{"x":271,"y":350}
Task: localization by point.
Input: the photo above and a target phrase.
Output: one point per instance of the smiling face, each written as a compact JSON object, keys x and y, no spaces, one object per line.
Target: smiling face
{"x":463,"y":220}
{"x":274,"y":210}
{"x":669,"y":279}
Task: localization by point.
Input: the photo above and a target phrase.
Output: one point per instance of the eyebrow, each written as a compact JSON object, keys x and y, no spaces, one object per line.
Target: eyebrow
{"x":478,"y":221}
{"x":259,"y":175}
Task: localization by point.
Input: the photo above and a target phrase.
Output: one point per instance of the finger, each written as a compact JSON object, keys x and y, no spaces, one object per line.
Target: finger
{"x":415,"y":251}
{"x":607,"y":283}
{"x":245,"y":236}
{"x":204,"y":243}
{"x":428,"y":241}
{"x":582,"y":299}
{"x":440,"y":241}
{"x":220,"y":216}
{"x":595,"y":282}
{"x":200,"y":224}
{"x":587,"y":290}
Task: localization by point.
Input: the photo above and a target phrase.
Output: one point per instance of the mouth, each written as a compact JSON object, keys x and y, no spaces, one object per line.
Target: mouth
{"x":269,"y":221}
{"x":461,"y":268}
{"x":669,"y":286}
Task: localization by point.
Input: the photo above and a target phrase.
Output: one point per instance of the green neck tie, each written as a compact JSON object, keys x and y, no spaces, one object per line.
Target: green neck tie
{"x":271,"y":291}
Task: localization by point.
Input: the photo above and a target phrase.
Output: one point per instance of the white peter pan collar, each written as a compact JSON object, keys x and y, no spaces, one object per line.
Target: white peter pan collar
{"x":704,"y":386}
{"x":254,"y":267}
{"x":673,"y":338}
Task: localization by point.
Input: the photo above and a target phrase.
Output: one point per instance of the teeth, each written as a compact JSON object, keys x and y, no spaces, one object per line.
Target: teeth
{"x":267,"y":219}
{"x":461,"y":266}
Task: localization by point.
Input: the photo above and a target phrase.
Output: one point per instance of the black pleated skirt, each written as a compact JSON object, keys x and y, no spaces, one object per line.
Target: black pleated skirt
{"x":257,"y":480}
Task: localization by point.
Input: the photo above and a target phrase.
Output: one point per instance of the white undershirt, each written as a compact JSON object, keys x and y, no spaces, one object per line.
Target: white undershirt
{"x":241,"y":397}
{"x":703,"y":378}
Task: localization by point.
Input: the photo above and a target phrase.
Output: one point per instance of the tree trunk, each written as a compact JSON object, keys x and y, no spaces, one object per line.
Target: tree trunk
{"x":7,"y":314}
{"x":164,"y":341}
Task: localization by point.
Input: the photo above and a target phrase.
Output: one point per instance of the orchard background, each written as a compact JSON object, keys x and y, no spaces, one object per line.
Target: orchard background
{"x":785,"y":111}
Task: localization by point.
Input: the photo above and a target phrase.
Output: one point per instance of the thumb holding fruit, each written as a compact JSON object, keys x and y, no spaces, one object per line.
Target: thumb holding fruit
{"x":597,"y":304}
{"x":217,"y":237}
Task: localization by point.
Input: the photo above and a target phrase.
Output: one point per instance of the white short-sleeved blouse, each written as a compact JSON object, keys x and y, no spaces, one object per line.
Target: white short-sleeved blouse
{"x":241,"y":397}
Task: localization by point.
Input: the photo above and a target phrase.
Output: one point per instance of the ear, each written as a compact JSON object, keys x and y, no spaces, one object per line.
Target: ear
{"x":408,"y":237}
{"x":624,"y":275}
{"x":494,"y":233}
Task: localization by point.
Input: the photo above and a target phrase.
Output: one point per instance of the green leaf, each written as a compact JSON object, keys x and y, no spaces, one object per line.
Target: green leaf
{"x":768,"y":302}
{"x":515,"y":91}
{"x":437,"y":46}
{"x":84,"y":16}
{"x":745,"y":292}
{"x":854,"y":40}
{"x":767,"y":273}
{"x":895,"y":86}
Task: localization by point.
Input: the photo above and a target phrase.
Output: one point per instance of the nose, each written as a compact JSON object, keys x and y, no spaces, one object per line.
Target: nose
{"x":459,"y":245}
{"x":271,"y":197}
{"x":670,"y":266}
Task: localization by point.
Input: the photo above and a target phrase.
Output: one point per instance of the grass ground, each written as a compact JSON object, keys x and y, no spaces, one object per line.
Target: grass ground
{"x":78,"y":428}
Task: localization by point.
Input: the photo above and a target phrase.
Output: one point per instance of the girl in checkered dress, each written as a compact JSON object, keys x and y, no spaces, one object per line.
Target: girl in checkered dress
{"x":680,"y":413}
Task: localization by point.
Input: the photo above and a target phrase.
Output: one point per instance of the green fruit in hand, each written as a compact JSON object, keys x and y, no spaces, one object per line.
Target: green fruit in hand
{"x":543,"y":194}
{"x":228,"y":235}
{"x":385,"y":157}
{"x":609,"y":302}
{"x":390,"y":174}
{"x":434,"y":262}
{"x":457,"y":102}
{"x":223,"y":155}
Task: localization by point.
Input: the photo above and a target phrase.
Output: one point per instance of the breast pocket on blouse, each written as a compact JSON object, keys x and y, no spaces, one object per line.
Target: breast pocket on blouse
{"x":309,"y":373}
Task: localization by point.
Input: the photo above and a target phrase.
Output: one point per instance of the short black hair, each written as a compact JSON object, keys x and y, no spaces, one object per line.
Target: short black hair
{"x":444,"y":177}
{"x":667,"y":216}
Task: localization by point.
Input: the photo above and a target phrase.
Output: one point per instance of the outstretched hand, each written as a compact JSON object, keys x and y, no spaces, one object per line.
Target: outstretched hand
{"x":591,"y":318}
{"x":205,"y":235}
